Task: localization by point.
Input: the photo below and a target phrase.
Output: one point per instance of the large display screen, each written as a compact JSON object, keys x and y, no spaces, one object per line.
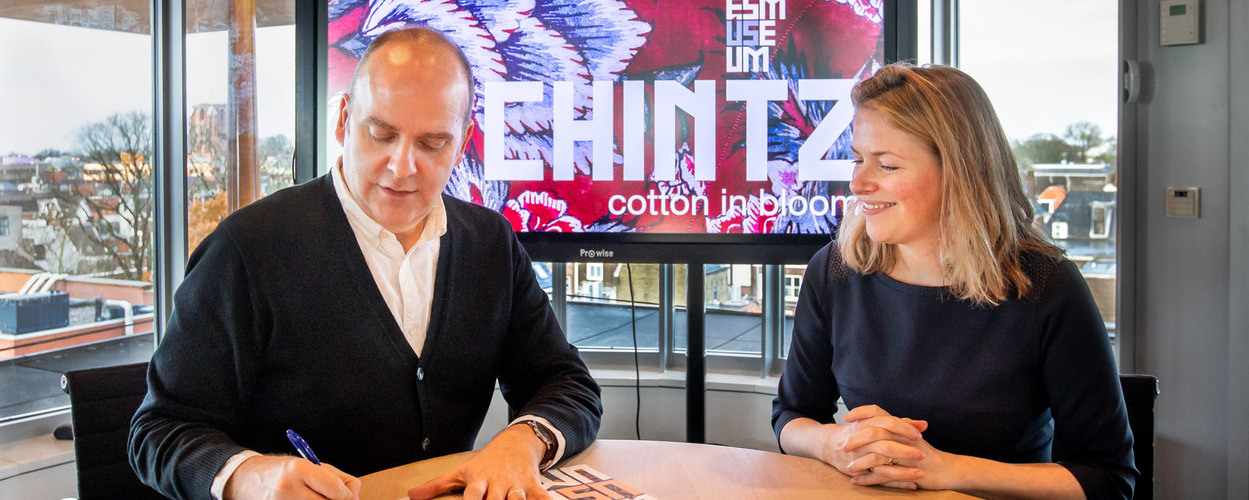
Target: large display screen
{"x":644,"y":130}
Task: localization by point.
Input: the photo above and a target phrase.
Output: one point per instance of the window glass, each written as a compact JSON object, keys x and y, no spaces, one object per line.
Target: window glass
{"x":793,"y":284}
{"x":240,"y":93}
{"x":599,"y":302}
{"x":734,"y":321}
{"x":1056,"y":92}
{"x":542,"y":272}
{"x":923,"y":37}
{"x":76,"y":196}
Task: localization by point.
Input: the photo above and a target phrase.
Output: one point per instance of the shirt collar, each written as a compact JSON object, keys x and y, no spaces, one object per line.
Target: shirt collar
{"x":435,"y":222}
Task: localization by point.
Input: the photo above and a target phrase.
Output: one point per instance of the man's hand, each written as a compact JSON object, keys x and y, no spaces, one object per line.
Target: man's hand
{"x":264,"y":477}
{"x":508,"y":463}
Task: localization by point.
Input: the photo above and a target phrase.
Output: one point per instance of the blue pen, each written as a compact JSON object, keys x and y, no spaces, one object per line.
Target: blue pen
{"x":302,"y":447}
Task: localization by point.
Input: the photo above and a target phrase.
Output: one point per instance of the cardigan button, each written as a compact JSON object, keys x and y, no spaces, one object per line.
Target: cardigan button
{"x":425,"y":444}
{"x":420,"y":373}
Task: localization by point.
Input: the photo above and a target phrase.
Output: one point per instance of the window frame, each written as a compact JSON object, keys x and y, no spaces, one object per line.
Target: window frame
{"x":310,"y":161}
{"x":594,"y":271}
{"x":169,"y":183}
{"x":943,"y":18}
{"x":768,"y":362}
{"x":795,"y":287}
{"x":1107,"y":211}
{"x":170,"y":243}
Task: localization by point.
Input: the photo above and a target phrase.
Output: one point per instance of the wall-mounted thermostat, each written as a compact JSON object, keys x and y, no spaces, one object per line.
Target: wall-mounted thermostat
{"x":1184,"y":202}
{"x":1180,"y":23}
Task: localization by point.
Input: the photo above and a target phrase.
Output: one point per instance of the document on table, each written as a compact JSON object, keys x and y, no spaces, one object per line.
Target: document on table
{"x":582,"y":482}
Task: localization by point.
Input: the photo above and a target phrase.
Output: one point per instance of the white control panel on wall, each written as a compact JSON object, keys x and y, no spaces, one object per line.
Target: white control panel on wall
{"x":1180,"y":23}
{"x":1184,"y":202}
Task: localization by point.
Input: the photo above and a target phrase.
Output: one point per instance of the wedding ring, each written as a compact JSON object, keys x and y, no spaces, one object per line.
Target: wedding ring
{"x":516,"y":494}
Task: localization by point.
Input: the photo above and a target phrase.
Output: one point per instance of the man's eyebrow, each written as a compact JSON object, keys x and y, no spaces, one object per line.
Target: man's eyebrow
{"x":376,"y":122}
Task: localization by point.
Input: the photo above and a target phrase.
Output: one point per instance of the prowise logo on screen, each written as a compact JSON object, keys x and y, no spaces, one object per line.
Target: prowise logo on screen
{"x":750,"y":32}
{"x":595,"y":254}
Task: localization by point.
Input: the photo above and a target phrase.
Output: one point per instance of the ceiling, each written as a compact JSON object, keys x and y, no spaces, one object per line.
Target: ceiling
{"x":134,"y":16}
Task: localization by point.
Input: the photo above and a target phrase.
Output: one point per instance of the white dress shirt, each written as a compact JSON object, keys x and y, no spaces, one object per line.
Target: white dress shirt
{"x":406,"y":281}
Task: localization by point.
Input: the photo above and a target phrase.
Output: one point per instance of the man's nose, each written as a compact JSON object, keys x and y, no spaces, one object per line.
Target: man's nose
{"x":403,"y":160}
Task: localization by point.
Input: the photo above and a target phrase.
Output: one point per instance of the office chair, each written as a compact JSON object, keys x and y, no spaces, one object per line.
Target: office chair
{"x":1139,"y":393}
{"x":102,"y":401}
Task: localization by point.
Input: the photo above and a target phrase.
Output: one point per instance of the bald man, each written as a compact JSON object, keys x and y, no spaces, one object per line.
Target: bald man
{"x":370,"y":314}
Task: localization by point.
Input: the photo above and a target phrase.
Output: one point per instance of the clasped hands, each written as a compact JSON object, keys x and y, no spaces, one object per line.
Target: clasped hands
{"x":506,"y":469}
{"x":876,"y":448}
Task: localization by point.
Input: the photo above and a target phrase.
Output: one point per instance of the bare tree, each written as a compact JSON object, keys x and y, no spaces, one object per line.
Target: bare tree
{"x":1041,"y":148}
{"x":108,"y":195}
{"x":1083,"y":137}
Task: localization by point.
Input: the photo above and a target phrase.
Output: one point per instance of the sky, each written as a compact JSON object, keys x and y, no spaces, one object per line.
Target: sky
{"x":97,"y":73}
{"x":1044,"y":64}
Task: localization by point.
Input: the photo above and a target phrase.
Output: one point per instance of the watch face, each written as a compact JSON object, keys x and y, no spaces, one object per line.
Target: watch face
{"x":544,"y":434}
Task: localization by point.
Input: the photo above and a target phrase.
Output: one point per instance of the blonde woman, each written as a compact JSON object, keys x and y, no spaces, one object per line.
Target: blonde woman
{"x":962,"y":342}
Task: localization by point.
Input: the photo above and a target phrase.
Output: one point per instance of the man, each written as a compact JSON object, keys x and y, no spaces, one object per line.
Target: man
{"x":369,"y":314}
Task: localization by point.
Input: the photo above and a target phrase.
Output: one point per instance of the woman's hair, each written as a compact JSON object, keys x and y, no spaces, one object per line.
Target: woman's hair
{"x":986,"y":218}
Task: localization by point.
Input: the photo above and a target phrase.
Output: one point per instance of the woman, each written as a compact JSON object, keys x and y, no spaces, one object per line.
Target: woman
{"x":961,"y":339}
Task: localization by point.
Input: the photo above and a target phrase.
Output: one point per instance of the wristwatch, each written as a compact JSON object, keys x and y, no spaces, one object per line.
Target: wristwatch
{"x":547,"y":438}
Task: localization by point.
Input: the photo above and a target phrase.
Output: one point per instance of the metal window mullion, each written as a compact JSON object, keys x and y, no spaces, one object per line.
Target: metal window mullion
{"x":695,"y":353}
{"x":559,"y":293}
{"x":667,"y":314}
{"x":169,"y":125}
{"x":1127,"y":238}
{"x":773,"y":319}
{"x":311,"y":47}
{"x":945,"y":32}
{"x":901,"y":38}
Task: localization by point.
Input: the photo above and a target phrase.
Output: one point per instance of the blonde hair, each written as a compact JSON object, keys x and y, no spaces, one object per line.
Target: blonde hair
{"x":986,"y":218}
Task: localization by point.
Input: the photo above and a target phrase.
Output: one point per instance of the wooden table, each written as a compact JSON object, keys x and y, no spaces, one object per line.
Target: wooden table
{"x":677,"y":471}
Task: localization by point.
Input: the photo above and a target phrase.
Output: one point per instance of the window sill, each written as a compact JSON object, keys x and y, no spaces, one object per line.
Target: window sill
{"x":36,"y":453}
{"x":674,"y":379}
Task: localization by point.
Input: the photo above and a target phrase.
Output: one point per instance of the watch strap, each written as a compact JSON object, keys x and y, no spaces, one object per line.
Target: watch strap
{"x":547,"y":437}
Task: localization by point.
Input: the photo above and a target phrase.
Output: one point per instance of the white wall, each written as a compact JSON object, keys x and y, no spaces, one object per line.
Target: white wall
{"x":739,"y":409}
{"x":1191,"y":280}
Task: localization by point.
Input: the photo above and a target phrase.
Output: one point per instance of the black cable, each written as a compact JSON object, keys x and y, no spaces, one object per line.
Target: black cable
{"x":637,"y":370}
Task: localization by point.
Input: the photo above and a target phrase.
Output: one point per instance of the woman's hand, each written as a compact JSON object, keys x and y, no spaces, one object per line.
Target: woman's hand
{"x":872,"y":446}
{"x":870,"y":443}
{"x":933,"y":470}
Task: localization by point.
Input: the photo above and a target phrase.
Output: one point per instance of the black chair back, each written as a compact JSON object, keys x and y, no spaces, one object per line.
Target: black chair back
{"x":103,"y":400}
{"x":1139,"y":393}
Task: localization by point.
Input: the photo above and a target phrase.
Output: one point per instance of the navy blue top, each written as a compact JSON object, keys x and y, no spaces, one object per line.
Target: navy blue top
{"x":999,"y":382}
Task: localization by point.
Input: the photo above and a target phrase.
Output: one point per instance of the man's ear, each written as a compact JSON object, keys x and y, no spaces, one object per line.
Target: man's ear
{"x":344,"y":106}
{"x":468,"y":136}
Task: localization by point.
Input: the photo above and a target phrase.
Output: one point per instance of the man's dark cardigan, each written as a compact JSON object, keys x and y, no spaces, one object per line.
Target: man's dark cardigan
{"x":279,"y":325}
